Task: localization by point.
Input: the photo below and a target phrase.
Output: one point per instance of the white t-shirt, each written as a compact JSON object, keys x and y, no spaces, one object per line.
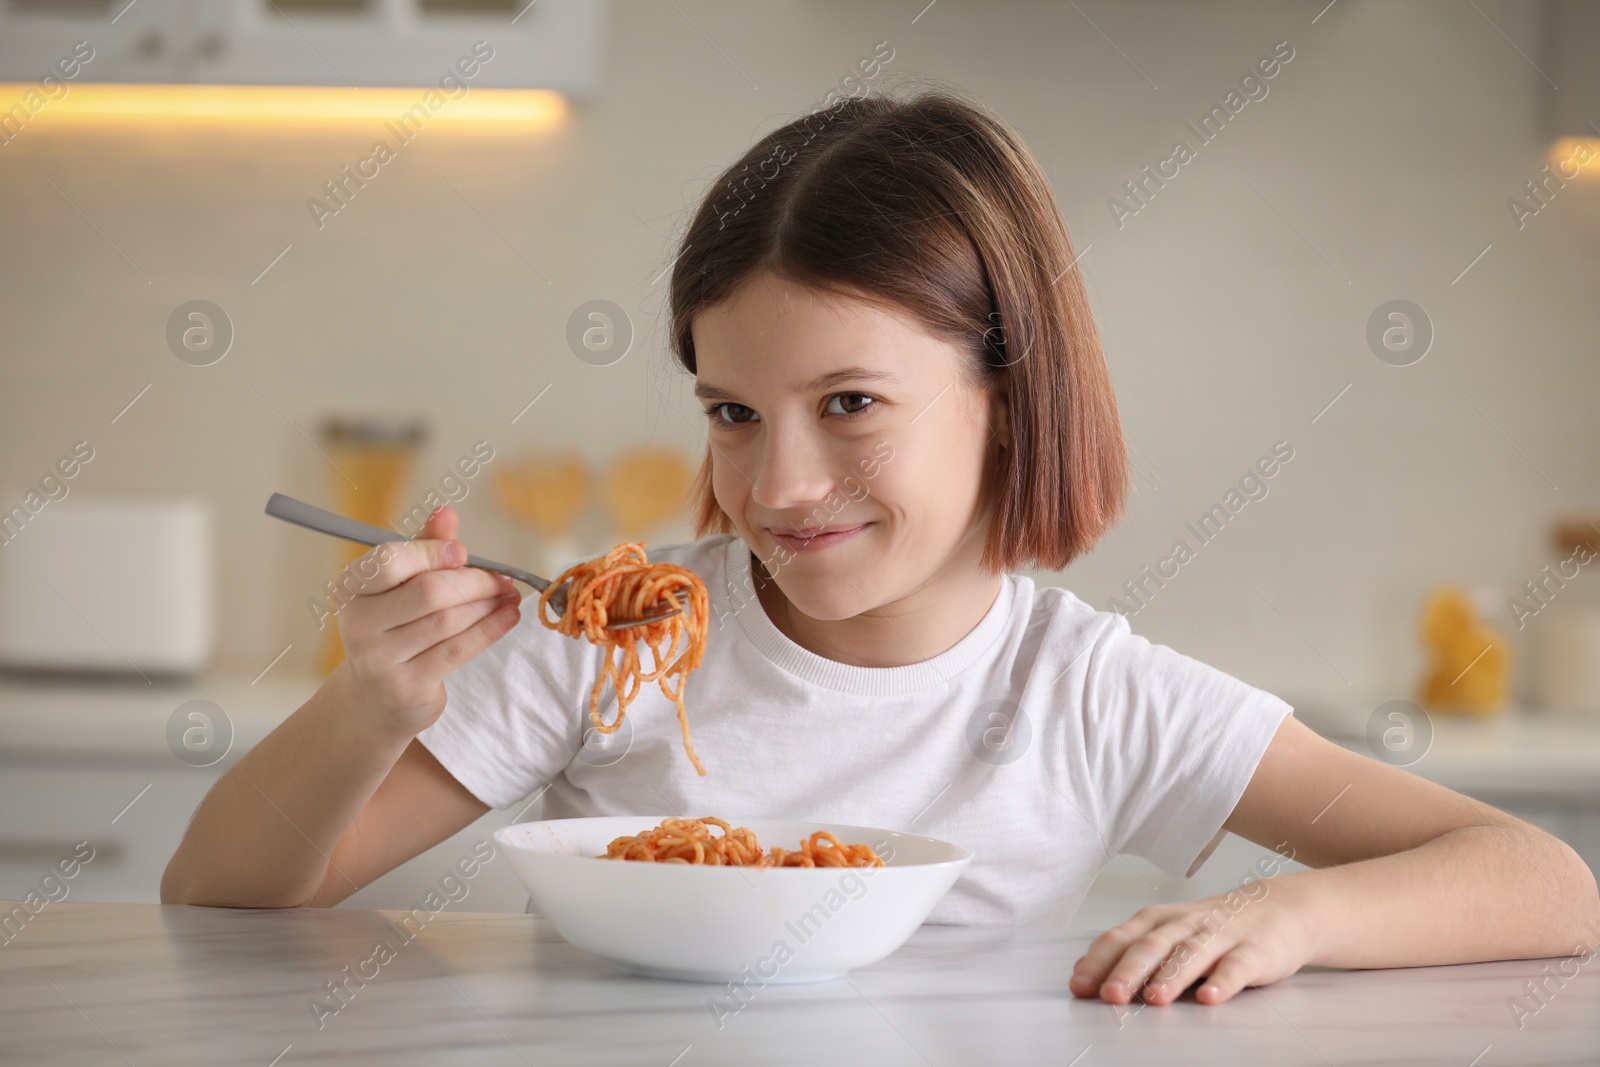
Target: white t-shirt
{"x":1046,"y":740}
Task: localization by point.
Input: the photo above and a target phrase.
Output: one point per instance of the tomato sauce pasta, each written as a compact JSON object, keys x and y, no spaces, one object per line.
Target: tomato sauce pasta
{"x":623,"y":584}
{"x":691,"y":841}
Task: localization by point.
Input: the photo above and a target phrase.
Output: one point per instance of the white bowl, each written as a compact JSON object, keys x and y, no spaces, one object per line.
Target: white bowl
{"x":731,"y":924}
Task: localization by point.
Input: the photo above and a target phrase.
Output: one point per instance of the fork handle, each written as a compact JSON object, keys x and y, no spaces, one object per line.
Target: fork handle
{"x":312,"y":517}
{"x":525,"y":577}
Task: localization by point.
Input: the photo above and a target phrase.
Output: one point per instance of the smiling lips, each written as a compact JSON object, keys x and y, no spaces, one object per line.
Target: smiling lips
{"x":816,"y":539}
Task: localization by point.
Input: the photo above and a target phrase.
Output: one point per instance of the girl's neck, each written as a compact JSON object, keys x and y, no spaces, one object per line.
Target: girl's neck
{"x":918,"y":626}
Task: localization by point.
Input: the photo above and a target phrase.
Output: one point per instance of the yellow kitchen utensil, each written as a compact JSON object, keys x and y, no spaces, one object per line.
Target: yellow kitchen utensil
{"x":1468,"y":663}
{"x":371,"y":460}
{"x":645,"y":487}
{"x":543,"y":490}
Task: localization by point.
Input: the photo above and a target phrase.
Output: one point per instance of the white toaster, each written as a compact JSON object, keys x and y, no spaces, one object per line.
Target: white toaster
{"x":108,"y":582}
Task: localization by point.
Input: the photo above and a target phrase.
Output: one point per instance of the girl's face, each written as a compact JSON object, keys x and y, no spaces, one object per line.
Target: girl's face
{"x":847,"y":447}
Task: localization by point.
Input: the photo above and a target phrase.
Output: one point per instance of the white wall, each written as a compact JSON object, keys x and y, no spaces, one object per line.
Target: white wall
{"x":1391,"y":142}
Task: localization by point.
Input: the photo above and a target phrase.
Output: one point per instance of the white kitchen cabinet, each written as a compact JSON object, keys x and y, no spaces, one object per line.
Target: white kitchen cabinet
{"x":92,"y":762}
{"x":49,"y":809}
{"x":39,"y":42}
{"x":551,"y":44}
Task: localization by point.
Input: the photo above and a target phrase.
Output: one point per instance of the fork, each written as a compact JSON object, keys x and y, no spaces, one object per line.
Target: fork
{"x":311,"y":517}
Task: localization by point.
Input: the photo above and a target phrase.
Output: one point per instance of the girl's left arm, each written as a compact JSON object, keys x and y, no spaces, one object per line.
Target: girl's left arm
{"x":1409,"y":873}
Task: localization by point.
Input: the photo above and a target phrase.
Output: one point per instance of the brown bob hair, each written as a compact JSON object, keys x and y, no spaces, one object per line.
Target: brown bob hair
{"x":930,"y":204}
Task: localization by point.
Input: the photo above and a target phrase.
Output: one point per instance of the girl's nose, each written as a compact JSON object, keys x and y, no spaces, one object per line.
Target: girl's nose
{"x":792,"y":472}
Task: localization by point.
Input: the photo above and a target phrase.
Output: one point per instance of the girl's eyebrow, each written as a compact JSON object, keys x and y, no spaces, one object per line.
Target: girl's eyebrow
{"x":826,"y":381}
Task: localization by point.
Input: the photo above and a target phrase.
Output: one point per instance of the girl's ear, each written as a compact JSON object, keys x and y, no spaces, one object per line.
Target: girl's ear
{"x":1000,"y":412}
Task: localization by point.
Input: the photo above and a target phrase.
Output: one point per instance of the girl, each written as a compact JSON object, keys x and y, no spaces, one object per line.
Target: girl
{"x":906,"y":405}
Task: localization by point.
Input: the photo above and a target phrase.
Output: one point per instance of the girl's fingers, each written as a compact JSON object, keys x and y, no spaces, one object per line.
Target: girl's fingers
{"x":1190,"y":958}
{"x":1232,"y":972}
{"x":1143,"y":955}
{"x":1094,"y":966}
{"x":382,"y":568}
{"x":1164,"y":949}
{"x":451,"y":653}
{"x":404,"y":643}
{"x":442,"y":525}
{"x":434,"y":591}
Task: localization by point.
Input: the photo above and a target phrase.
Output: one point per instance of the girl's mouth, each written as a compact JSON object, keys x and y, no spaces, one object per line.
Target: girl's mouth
{"x":818,"y":541}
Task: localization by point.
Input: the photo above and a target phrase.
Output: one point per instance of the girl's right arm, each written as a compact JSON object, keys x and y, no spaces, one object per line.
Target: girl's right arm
{"x":342,"y":792}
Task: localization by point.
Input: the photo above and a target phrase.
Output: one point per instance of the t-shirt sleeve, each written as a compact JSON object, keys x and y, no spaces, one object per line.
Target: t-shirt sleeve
{"x":1174,"y":742}
{"x":513,"y":715}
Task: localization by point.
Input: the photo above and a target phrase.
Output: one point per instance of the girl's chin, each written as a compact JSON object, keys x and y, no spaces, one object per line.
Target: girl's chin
{"x":825,"y":600}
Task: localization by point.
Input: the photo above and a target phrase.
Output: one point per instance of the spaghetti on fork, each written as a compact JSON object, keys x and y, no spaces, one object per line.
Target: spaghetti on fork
{"x":624,"y":584}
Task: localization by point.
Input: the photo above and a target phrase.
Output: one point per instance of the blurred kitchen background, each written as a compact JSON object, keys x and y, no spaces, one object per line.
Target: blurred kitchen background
{"x":1383,"y":257}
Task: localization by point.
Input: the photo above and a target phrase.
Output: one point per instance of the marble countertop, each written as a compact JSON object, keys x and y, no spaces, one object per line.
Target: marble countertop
{"x":143,"y":984}
{"x":1520,"y":750}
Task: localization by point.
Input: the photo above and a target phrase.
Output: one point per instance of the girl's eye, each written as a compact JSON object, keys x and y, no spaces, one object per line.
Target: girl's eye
{"x":849,"y":404}
{"x":740,"y":414}
{"x":841,"y":405}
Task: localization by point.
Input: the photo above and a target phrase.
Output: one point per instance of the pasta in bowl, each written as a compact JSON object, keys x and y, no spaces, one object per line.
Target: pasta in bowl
{"x":777,"y":922}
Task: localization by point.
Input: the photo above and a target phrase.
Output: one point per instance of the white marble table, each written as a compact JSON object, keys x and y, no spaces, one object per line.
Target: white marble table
{"x":147,"y":985}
